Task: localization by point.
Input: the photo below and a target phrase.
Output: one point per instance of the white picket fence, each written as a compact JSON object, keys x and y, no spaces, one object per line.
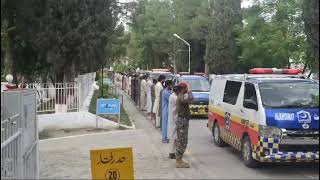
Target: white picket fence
{"x":57,"y":97}
{"x":63,"y":97}
{"x":19,"y":135}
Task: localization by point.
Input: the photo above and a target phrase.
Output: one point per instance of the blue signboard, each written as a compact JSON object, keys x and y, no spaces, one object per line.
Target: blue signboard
{"x":107,"y":81}
{"x":108,"y":106}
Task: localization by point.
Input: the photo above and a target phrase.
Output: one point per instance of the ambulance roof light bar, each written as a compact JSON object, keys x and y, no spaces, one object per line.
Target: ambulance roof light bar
{"x":274,"y":71}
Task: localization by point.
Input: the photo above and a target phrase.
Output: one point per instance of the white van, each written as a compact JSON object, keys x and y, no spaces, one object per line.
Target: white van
{"x":268,"y":117}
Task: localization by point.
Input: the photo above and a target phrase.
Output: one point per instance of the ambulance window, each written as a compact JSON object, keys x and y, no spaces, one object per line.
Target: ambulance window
{"x":250,"y":97}
{"x":231,"y":92}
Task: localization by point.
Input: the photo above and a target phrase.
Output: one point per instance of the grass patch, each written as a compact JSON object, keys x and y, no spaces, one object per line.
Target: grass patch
{"x":44,"y":134}
{"x":125,"y":120}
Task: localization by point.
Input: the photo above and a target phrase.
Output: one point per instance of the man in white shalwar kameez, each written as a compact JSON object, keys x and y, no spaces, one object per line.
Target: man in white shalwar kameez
{"x":173,"y":116}
{"x":143,"y":93}
{"x":156,"y":104}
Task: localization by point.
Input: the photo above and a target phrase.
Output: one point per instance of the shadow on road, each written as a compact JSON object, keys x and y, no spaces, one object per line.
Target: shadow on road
{"x":199,"y":118}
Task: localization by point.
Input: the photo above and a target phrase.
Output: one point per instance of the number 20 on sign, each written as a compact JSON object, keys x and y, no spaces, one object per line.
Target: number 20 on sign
{"x":112,"y":164}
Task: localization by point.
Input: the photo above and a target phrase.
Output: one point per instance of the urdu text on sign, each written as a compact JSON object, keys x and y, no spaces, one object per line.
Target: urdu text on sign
{"x":112,"y":164}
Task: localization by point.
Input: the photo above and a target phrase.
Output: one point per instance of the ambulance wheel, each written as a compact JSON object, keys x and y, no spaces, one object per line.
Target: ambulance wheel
{"x":217,"y":135}
{"x":246,"y":153}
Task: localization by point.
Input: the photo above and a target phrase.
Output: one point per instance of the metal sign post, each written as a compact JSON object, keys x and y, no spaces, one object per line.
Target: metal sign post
{"x":119,"y":116}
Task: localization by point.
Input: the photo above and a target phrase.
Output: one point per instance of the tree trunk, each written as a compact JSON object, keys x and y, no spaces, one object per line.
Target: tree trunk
{"x":8,"y":61}
{"x":44,"y":77}
{"x":206,"y":71}
{"x":69,"y":73}
{"x":59,"y":75}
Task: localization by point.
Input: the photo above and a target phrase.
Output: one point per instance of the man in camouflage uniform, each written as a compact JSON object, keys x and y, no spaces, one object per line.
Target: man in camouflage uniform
{"x":182,"y":124}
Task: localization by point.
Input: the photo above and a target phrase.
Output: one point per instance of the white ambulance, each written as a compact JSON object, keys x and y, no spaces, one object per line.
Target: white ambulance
{"x":270,"y":115}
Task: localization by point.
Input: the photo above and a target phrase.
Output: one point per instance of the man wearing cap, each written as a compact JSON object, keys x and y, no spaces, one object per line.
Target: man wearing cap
{"x":182,"y":124}
{"x":173,"y":116}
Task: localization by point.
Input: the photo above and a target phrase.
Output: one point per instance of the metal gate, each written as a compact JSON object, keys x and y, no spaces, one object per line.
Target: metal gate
{"x":19,"y":135}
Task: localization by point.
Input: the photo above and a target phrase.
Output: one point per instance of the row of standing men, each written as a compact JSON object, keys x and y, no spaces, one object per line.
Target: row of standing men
{"x":168,"y":105}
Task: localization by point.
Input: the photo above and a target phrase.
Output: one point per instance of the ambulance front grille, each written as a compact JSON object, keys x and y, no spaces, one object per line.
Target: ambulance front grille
{"x":301,"y":133}
{"x":298,"y":148}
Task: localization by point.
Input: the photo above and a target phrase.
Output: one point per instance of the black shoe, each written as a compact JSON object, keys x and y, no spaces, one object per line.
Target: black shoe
{"x":165,"y":141}
{"x":172,"y":156}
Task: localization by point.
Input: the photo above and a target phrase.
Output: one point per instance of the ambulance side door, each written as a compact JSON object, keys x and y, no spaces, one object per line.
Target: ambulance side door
{"x":250,"y":109}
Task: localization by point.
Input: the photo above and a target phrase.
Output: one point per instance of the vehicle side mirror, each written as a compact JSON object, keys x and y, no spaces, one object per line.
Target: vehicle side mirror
{"x":250,"y":104}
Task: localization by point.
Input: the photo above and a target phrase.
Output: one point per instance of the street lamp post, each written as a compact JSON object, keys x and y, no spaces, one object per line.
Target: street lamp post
{"x":176,"y":35}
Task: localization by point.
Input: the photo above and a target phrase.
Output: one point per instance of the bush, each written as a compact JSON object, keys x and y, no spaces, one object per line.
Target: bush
{"x":98,"y":76}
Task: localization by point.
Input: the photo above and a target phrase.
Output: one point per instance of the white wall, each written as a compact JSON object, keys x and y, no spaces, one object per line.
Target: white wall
{"x":3,"y":86}
{"x":72,"y":120}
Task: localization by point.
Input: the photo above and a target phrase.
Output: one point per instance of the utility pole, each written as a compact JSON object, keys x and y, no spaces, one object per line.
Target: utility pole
{"x":175,"y":35}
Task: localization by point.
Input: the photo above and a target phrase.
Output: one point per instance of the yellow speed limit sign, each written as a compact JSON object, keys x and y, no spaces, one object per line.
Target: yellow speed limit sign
{"x":112,"y":164}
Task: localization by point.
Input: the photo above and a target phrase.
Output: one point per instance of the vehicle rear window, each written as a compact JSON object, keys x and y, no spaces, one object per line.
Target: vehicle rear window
{"x":198,"y":85}
{"x":231,"y":92}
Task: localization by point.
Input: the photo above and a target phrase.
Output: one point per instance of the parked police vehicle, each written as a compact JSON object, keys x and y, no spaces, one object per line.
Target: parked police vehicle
{"x":270,"y":115}
{"x":200,"y":87}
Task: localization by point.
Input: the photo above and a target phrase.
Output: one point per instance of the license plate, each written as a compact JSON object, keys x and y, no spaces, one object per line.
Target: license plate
{"x":202,"y":111}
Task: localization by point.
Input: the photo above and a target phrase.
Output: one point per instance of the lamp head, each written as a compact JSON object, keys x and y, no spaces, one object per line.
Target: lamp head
{"x":9,"y":78}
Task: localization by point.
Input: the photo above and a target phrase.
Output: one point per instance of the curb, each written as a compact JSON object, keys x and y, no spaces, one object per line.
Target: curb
{"x":137,"y":108}
{"x":132,"y":122}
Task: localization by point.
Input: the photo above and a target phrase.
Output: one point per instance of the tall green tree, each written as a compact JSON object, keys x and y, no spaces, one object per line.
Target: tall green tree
{"x":190,"y":22}
{"x":21,"y":21}
{"x":151,"y":42}
{"x":56,"y":37}
{"x":311,"y":21}
{"x":154,"y":22}
{"x":221,"y":51}
{"x":273,"y":35}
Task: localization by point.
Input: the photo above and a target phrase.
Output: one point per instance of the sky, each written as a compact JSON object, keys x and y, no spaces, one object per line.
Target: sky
{"x":246,"y":3}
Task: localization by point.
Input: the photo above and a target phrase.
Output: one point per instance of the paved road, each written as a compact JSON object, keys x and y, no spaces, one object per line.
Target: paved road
{"x":68,"y":158}
{"x":226,"y":163}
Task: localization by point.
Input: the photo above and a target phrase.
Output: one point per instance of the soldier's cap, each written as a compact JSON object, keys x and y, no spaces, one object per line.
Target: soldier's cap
{"x":183,"y":85}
